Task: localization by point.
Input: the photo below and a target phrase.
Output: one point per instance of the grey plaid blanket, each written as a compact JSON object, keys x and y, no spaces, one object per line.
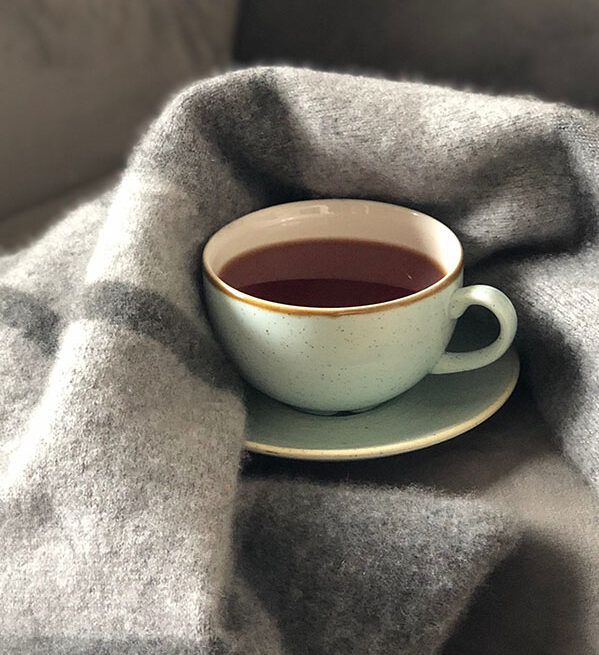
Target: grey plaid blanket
{"x":125,"y":526}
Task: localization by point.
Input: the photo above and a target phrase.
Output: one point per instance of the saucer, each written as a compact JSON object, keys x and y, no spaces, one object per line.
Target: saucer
{"x":438,"y":408}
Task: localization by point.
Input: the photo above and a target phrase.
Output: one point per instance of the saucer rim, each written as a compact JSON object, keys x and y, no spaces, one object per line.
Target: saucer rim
{"x":373,"y":452}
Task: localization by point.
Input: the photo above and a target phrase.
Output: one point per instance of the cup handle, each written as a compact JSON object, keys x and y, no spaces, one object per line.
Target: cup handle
{"x":501,"y":306}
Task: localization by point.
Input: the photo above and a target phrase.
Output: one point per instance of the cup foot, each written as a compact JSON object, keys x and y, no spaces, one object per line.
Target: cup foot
{"x":344,"y":412}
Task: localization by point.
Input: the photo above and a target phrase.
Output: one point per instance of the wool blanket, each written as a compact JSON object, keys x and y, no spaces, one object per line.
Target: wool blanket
{"x":127,"y":524}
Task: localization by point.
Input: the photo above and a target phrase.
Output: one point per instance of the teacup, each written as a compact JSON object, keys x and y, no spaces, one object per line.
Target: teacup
{"x":338,"y":359}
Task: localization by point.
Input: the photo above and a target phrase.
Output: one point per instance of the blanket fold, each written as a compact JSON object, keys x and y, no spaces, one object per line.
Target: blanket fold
{"x":125,"y":526}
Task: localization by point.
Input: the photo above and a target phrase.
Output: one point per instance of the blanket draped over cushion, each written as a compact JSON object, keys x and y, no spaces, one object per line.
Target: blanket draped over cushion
{"x":125,"y":526}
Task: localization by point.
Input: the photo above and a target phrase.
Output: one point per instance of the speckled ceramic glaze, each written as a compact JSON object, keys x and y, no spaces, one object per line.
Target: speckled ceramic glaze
{"x":328,"y":360}
{"x":438,"y":408}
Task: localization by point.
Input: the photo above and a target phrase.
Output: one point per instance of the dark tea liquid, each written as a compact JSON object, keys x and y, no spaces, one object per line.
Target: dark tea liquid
{"x":331,"y":272}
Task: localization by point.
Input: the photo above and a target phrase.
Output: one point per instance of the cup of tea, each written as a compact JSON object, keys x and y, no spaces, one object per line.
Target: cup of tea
{"x":340,"y":305}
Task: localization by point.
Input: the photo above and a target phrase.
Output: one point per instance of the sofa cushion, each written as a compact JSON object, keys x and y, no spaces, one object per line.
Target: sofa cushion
{"x":80,"y":78}
{"x":545,"y":47}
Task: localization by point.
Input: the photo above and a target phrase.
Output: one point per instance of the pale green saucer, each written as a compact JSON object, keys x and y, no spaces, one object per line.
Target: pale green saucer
{"x":436,"y":409}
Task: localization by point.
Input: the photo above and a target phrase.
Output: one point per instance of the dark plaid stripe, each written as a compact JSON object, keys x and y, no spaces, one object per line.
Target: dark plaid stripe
{"x":150,"y":314}
{"x":142,"y":311}
{"x":23,"y":311}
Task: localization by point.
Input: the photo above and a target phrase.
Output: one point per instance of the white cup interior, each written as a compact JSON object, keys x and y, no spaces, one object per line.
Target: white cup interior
{"x":326,"y":219}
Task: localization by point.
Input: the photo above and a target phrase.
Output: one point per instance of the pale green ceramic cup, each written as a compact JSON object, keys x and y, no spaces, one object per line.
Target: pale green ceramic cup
{"x":329,"y":360}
